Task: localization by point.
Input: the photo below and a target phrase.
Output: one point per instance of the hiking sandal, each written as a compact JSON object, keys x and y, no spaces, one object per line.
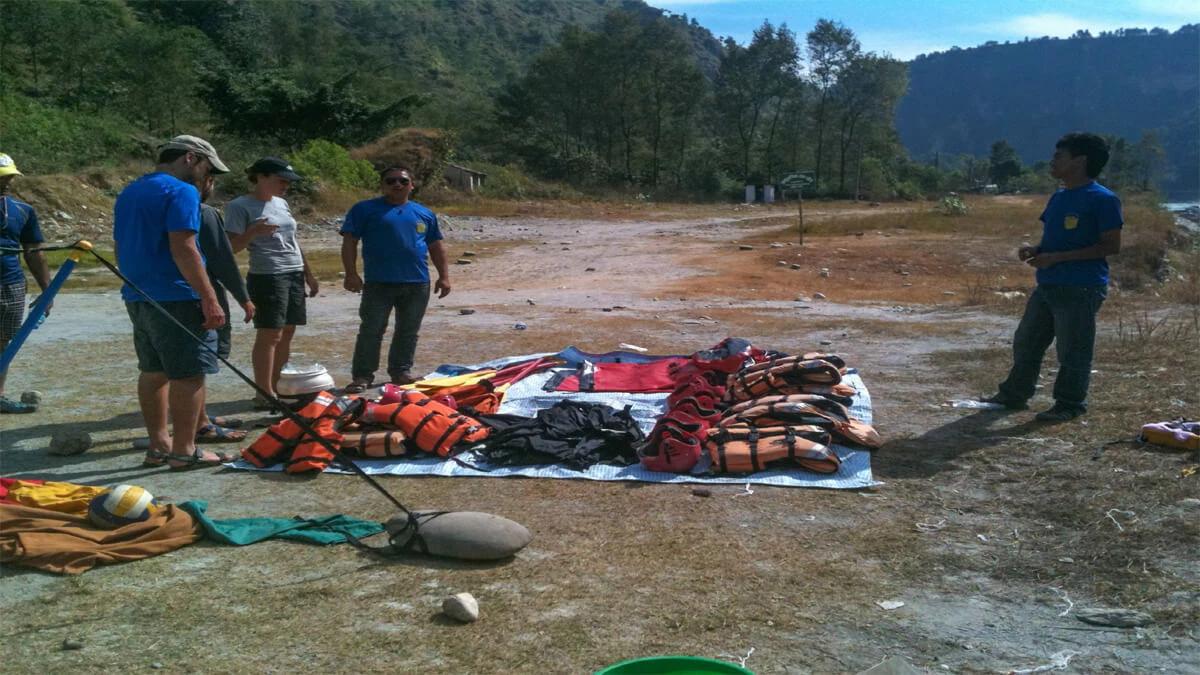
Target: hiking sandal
{"x":212,"y":433}
{"x":357,"y":386}
{"x":197,"y":460}
{"x":227,"y":422}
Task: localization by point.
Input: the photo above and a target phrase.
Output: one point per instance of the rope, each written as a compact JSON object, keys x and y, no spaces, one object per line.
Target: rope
{"x":275,"y":402}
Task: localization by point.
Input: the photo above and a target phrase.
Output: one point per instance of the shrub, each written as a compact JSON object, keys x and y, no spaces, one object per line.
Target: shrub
{"x":329,"y":164}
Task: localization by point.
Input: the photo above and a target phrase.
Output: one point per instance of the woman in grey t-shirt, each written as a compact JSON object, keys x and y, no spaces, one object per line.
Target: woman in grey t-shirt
{"x":262,"y":222}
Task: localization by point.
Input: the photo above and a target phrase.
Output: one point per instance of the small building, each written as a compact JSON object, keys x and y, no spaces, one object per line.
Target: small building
{"x":463,"y":178}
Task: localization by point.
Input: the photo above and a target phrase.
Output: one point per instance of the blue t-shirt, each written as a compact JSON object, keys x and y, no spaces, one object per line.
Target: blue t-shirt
{"x":1074,"y":219}
{"x":146,"y":211}
{"x":395,"y":240}
{"x":18,"y":225}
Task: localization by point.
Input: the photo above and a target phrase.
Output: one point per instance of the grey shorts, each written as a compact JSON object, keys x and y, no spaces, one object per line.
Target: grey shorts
{"x":278,"y":299}
{"x":12,"y":310}
{"x":163,"y":347}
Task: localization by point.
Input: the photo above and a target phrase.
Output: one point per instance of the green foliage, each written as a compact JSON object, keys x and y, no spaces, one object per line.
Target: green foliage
{"x":45,"y":138}
{"x":1003,"y":163}
{"x":510,"y":182}
{"x":952,"y":205}
{"x":873,"y":180}
{"x":327,"y":163}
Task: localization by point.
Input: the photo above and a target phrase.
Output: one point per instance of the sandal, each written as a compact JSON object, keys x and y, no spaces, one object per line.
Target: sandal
{"x":357,"y":386}
{"x":227,"y":422}
{"x":155,"y":459}
{"x":211,"y":433}
{"x":196,"y":460}
{"x":261,"y":403}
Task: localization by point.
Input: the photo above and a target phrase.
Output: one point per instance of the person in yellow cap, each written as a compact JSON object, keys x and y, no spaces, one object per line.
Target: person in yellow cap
{"x":18,"y":230}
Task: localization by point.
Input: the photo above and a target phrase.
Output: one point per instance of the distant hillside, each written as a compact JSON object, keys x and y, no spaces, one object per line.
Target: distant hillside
{"x":1030,"y":93}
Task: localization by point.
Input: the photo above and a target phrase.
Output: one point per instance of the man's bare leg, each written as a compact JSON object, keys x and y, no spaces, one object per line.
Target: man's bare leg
{"x":186,"y":398}
{"x":152,"y":399}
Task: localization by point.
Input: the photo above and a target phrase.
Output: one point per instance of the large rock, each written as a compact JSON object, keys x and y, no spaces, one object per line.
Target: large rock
{"x":466,"y":535}
{"x":66,"y":443}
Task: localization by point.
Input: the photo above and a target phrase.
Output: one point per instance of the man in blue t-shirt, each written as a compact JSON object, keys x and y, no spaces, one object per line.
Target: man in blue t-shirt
{"x":18,"y":230}
{"x":397,"y":236}
{"x":155,"y":222}
{"x":1081,"y":226}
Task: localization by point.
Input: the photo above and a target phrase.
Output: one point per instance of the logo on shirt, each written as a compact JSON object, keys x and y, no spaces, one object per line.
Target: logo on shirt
{"x":1071,"y":221}
{"x":420,"y":228}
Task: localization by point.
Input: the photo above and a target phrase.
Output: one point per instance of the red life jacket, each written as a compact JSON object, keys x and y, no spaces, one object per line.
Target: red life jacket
{"x":375,"y":444}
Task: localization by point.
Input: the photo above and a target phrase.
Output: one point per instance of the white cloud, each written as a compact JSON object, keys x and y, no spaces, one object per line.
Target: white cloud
{"x":1053,"y":25}
{"x":1184,"y":10}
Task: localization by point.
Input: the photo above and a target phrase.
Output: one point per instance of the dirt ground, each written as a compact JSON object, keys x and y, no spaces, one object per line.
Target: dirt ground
{"x":990,"y":528}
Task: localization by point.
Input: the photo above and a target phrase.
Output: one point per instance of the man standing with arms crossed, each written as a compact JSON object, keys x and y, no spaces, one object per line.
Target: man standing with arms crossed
{"x":155,"y":222}
{"x":1081,"y":225}
{"x":397,"y":236}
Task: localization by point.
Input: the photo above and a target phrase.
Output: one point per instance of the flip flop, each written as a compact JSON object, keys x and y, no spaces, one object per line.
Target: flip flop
{"x":197,"y":460}
{"x":212,"y":433}
{"x":227,"y":422}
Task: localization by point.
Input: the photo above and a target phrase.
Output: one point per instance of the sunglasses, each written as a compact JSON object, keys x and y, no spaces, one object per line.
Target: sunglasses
{"x":396,"y":180}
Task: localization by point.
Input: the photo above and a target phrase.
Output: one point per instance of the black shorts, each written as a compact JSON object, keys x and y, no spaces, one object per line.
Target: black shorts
{"x":12,"y":309}
{"x":278,"y":299}
{"x":163,"y":347}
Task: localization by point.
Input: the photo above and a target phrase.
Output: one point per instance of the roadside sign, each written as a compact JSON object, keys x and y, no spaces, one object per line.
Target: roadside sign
{"x":797,"y":180}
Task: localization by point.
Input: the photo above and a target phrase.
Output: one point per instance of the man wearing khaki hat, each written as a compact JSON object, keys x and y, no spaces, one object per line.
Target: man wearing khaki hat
{"x":18,"y":229}
{"x":155,"y":222}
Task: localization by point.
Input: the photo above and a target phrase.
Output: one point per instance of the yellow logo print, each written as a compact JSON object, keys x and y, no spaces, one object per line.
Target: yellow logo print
{"x":1071,"y":222}
{"x":421,"y":228}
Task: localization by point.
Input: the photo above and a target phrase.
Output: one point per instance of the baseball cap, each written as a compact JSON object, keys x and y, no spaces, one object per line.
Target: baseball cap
{"x":7,"y":166}
{"x":200,"y":147}
{"x":273,"y":166}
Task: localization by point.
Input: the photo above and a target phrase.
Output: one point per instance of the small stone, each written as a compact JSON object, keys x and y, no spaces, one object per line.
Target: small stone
{"x":520,"y":325}
{"x":71,"y":644}
{"x":1190,"y":501}
{"x":461,"y":607}
{"x":1113,"y":616}
{"x":949,"y":293}
{"x":589,"y":269}
{"x":702,"y":492}
{"x":906,"y":285}
{"x":1069,"y":561}
{"x":530,"y":301}
{"x":462,"y":261}
{"x":465,"y":311}
{"x":156,"y":665}
{"x":745,"y":247}
{"x":782,"y":263}
{"x":824,"y":272}
{"x":889,"y":604}
{"x":67,"y":443}
{"x":776,"y":245}
{"x":826,"y":343}
{"x":31,"y":397}
{"x":818,"y":296}
{"x":795,"y":266}
{"x":904,"y":273}
{"x":469,"y":254}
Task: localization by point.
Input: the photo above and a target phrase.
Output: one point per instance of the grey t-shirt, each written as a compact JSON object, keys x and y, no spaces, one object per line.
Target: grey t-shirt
{"x":277,"y":253}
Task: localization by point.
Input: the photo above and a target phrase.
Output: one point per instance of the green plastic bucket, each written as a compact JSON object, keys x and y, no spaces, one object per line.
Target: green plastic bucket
{"x":674,"y":665}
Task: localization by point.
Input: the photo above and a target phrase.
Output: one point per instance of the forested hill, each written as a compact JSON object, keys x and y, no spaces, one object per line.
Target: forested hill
{"x":1124,"y":83}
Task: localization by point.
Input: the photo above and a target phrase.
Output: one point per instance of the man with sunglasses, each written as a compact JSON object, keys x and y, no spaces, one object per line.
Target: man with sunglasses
{"x":155,"y":222}
{"x":398,"y":236}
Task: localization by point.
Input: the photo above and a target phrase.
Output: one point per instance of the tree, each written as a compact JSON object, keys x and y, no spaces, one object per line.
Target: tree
{"x":831,"y":48}
{"x":1149,"y":160}
{"x":1003,"y":163}
{"x":867,"y":93}
{"x":748,"y":80}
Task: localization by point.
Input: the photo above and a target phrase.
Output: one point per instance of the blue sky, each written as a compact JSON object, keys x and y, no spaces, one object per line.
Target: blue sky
{"x":905,"y":28}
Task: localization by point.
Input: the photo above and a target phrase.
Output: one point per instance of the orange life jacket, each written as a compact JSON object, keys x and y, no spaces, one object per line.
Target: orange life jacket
{"x":431,"y":426}
{"x":375,"y":444}
{"x":803,"y":409}
{"x":277,"y":440}
{"x":310,"y":454}
{"x":742,"y":448}
{"x":781,"y":376}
